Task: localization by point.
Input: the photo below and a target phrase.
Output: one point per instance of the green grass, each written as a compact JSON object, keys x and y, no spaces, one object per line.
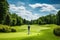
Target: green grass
{"x":38,"y":32}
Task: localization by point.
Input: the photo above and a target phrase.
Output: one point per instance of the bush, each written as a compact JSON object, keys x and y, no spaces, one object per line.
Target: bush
{"x":2,"y":30}
{"x":56,"y":31}
{"x":6,"y":29}
{"x":13,"y":30}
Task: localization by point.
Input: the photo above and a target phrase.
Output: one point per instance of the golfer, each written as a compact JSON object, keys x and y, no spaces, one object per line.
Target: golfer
{"x":28,"y":29}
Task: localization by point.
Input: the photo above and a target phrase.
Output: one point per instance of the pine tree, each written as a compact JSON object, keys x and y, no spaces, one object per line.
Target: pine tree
{"x":3,"y":9}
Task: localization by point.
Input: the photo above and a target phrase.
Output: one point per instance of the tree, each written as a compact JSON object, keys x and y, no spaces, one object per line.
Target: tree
{"x":16,"y":20}
{"x":58,"y":17}
{"x":13,"y":23}
{"x":13,"y":19}
{"x":7,"y":20}
{"x":3,"y":10}
{"x":24,"y":21}
{"x":19,"y":21}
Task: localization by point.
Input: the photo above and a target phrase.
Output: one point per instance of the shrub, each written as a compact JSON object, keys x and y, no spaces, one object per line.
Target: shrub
{"x":13,"y":30}
{"x":56,"y":31}
{"x":6,"y":29}
{"x":2,"y":30}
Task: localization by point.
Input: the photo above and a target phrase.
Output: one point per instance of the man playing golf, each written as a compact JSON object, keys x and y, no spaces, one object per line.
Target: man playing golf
{"x":28,"y":29}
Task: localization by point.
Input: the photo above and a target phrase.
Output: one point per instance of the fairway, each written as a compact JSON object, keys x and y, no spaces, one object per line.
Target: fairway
{"x":37,"y":32}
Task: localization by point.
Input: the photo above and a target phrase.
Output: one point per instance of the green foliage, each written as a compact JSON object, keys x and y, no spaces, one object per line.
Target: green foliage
{"x":58,"y":17}
{"x":13,"y":30}
{"x":48,"y":19}
{"x":13,"y":19}
{"x":56,"y":31}
{"x":19,"y":21}
{"x":6,"y":29}
{"x":24,"y":21}
{"x":7,"y":20}
{"x":3,"y":9}
{"x":16,"y":20}
{"x":39,"y":22}
{"x":13,"y":23}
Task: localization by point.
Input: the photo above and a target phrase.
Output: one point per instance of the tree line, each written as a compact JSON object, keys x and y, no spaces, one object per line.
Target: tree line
{"x":48,"y":19}
{"x":12,"y":19}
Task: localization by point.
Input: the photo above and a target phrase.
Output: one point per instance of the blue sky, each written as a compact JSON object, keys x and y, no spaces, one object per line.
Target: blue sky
{"x":33,"y":9}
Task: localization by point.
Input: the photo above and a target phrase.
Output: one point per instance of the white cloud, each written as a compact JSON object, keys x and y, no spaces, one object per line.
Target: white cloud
{"x":35,"y":5}
{"x":44,"y":7}
{"x":23,"y":12}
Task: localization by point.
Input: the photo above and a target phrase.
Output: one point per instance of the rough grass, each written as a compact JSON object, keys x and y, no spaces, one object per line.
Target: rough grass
{"x":38,"y":32}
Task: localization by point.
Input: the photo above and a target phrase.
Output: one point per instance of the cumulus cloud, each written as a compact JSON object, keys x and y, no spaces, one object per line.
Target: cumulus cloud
{"x":23,"y":12}
{"x":43,"y":7}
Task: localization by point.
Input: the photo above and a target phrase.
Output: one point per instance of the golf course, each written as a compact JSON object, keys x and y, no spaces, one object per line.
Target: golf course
{"x":29,"y":19}
{"x":37,"y":32}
